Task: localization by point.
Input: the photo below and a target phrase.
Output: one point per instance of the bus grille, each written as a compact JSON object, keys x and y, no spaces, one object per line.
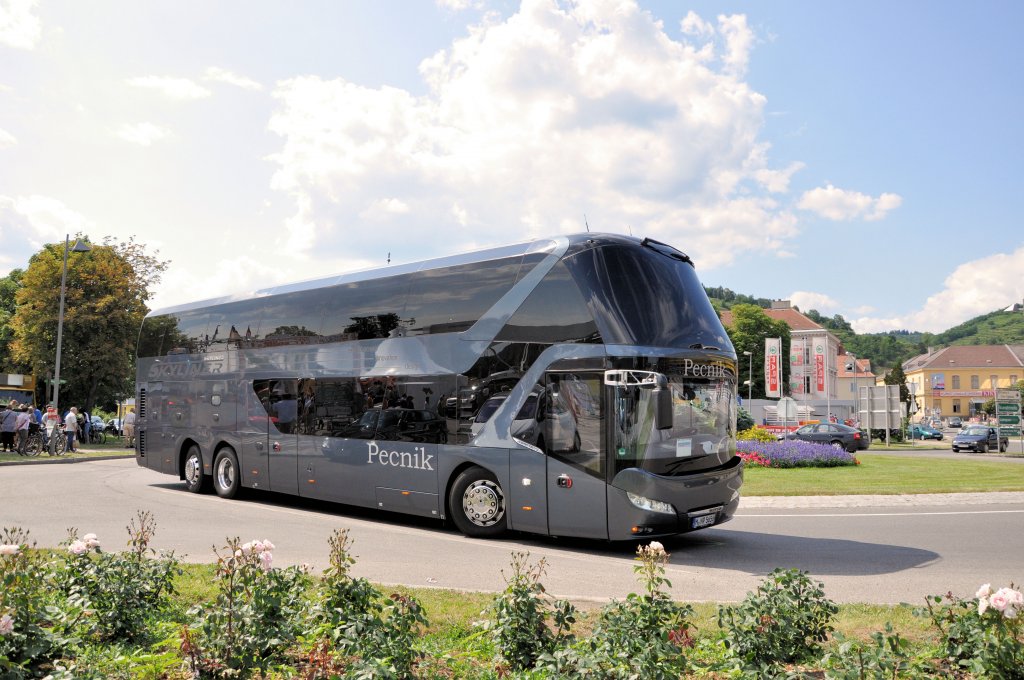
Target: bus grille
{"x":142,"y":402}
{"x":141,"y":436}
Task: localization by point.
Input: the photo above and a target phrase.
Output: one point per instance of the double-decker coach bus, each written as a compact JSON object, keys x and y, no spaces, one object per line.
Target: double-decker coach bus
{"x":574,"y":386}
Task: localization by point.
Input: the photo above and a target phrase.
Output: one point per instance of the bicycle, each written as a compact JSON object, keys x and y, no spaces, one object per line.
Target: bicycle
{"x":97,"y":436}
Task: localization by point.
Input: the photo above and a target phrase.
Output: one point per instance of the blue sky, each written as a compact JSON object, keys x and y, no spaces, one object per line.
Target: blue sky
{"x":861,"y":159}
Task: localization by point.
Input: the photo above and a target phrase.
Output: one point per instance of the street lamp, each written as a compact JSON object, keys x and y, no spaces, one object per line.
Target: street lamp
{"x":856,"y":393}
{"x":79,"y":247}
{"x":750,"y":374}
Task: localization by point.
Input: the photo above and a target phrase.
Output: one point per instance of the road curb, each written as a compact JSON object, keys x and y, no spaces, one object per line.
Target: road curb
{"x":44,"y":459}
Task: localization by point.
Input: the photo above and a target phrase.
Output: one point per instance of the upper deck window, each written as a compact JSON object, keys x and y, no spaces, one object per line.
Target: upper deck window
{"x":642,"y":296}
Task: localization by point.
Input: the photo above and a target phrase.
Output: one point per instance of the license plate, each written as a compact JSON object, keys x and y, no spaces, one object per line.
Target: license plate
{"x":703,"y":521}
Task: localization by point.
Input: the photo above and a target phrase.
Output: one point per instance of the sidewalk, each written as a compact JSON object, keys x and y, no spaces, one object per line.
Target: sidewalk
{"x":882,"y":501}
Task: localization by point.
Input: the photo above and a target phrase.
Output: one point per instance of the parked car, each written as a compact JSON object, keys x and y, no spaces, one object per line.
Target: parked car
{"x":833,"y":434}
{"x":96,"y":423}
{"x":955,"y":421}
{"x":924,"y":432}
{"x":980,"y":439}
{"x":397,"y":424}
{"x":113,"y":426}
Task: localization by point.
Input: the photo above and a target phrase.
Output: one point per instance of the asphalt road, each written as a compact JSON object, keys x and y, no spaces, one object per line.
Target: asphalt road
{"x":872,"y":550}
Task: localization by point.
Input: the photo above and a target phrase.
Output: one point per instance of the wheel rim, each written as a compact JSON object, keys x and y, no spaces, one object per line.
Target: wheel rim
{"x":225,"y":473}
{"x":483,"y":503}
{"x":837,"y":445}
{"x":193,"y":471}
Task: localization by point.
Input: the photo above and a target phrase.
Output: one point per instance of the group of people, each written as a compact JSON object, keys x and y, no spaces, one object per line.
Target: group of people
{"x":18,"y":421}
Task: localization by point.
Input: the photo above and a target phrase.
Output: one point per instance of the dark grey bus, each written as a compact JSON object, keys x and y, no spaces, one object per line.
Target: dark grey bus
{"x":572,"y":386}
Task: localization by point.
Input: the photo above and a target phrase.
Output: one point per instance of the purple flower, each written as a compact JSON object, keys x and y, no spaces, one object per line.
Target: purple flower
{"x":796,"y":453}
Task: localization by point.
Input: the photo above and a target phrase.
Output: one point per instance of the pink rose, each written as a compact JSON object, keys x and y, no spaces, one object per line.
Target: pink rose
{"x":982,"y":605}
{"x":999,"y":599}
{"x":77,"y":548}
{"x":6,"y":625}
{"x":9,"y":549}
{"x":266,"y":560}
{"x":984,"y":591}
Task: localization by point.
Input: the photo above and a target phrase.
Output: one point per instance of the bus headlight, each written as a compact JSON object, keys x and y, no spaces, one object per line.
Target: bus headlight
{"x":645,"y":503}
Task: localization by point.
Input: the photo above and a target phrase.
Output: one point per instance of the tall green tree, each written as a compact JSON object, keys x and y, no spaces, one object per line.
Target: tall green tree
{"x":106,"y":295}
{"x":750,"y":326}
{"x":9,"y":286}
{"x":896,"y":376}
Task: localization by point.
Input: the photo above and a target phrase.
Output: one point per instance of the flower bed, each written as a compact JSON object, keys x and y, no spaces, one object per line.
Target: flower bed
{"x":793,"y":453}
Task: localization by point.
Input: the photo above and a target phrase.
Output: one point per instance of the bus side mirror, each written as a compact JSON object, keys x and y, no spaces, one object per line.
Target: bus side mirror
{"x":662,"y":406}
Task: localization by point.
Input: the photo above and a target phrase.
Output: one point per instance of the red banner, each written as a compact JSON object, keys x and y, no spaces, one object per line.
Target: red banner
{"x":819,"y":371}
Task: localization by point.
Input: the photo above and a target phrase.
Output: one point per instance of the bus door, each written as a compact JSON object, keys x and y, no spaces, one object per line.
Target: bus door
{"x":280,"y":400}
{"x":571,"y":436}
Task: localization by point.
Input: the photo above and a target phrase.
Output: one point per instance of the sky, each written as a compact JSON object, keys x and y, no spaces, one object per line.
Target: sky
{"x":862,"y":159}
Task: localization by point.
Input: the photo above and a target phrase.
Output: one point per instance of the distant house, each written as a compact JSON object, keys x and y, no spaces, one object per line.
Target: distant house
{"x":958,"y":380}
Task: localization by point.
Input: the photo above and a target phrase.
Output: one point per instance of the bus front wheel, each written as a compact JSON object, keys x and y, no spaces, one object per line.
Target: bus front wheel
{"x":226,"y":480}
{"x":478,"y":504}
{"x":195,"y":480}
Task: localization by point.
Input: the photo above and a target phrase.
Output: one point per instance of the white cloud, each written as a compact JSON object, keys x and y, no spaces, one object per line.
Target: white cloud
{"x":974,"y":288}
{"x":458,"y":5}
{"x":382,"y":208}
{"x":221,"y":75}
{"x":807,"y":300}
{"x":172,"y":88}
{"x":39,"y":219}
{"x":143,"y":134}
{"x":530,"y":123}
{"x":19,"y":26}
{"x":839,"y":204}
{"x":7,"y":140}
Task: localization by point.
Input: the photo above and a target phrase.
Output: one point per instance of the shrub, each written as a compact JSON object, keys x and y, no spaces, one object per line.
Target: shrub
{"x":33,"y":628}
{"x":121,"y":591}
{"x":256,"y":615}
{"x":521,"y":615}
{"x":984,"y":635}
{"x":784,"y":621}
{"x":643,"y":637}
{"x":793,"y":453}
{"x":356,"y":629}
{"x":756,"y":434}
{"x":887,"y":655}
{"x":744,"y":421}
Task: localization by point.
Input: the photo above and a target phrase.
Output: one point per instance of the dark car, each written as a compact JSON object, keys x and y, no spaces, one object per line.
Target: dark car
{"x":954,"y":421}
{"x":979,"y":438}
{"x":924,"y":432}
{"x":833,"y":434}
{"x":397,"y":424}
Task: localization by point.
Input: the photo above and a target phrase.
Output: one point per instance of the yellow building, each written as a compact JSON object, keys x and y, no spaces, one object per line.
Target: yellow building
{"x":958,"y":380}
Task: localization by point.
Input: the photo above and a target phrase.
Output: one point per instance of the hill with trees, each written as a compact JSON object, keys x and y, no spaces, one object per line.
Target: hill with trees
{"x":889,"y":349}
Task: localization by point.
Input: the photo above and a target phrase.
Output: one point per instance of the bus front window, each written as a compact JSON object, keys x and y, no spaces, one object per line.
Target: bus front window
{"x":703,"y":422}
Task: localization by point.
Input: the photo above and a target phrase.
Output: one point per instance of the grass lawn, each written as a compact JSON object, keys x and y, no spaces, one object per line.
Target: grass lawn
{"x":84,"y":451}
{"x":886,"y":474}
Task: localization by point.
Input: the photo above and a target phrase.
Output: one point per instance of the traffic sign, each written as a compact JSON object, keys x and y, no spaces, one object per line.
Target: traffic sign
{"x":1007,"y":407}
{"x":1007,"y":395}
{"x":1009,"y":419}
{"x":1009,"y":431}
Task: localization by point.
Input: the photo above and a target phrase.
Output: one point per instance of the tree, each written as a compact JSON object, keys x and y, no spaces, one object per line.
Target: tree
{"x":750,"y":326}
{"x":897,"y":377}
{"x":105,"y":301}
{"x":9,"y":286}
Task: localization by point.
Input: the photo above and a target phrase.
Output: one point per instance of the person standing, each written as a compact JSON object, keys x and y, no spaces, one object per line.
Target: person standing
{"x":129,"y":429}
{"x":71,"y":428}
{"x":21,"y":426}
{"x":8,"y":427}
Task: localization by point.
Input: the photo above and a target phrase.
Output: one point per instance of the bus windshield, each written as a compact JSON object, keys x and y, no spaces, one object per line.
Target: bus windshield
{"x":703,"y":421}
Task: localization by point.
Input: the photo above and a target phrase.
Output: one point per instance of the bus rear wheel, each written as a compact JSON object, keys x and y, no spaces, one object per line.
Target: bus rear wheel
{"x":226,"y":480}
{"x":195,"y":480}
{"x":478,"y":504}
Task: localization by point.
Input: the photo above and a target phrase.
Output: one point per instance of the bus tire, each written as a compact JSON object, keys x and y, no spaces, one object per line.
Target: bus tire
{"x":477,"y":504}
{"x":226,"y":478}
{"x":195,"y":480}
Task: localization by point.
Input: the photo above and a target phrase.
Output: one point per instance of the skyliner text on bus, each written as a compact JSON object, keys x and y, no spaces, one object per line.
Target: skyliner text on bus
{"x":574,"y":386}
